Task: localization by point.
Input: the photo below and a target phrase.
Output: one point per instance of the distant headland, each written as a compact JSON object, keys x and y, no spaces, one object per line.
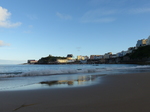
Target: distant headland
{"x":140,"y":54}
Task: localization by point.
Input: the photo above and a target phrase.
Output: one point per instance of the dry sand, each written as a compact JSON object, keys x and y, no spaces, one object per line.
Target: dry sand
{"x":115,"y":93}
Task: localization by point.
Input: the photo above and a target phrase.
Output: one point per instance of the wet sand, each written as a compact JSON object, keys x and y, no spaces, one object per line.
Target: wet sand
{"x":114,"y":93}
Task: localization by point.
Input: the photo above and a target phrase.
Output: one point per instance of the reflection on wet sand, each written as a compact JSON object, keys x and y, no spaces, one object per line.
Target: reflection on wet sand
{"x":81,"y":80}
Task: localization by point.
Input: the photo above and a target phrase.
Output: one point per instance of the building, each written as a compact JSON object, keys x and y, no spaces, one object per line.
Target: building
{"x":148,"y":41}
{"x":69,"y":56}
{"x":101,"y":57}
{"x":71,"y":61}
{"x":61,"y":60}
{"x":113,"y":56}
{"x":119,"y":54}
{"x":130,"y":49}
{"x":32,"y":61}
{"x":141,"y":42}
{"x":107,"y":55}
{"x":82,"y":57}
{"x":123,"y":53}
{"x":95,"y":56}
{"x":65,"y":60}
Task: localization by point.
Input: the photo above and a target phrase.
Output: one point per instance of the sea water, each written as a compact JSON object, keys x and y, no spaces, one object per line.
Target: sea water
{"x":21,"y":77}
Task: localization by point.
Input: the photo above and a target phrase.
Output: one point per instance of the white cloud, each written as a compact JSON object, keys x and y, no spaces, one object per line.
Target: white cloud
{"x":63,"y":16}
{"x":99,"y":15}
{"x":5,"y":19}
{"x":3,"y":43}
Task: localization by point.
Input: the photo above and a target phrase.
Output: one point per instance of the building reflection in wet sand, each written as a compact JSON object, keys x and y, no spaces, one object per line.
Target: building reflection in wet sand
{"x":82,"y":80}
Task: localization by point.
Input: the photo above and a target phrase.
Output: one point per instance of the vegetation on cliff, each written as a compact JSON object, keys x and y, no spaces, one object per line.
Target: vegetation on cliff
{"x":141,"y":53}
{"x":50,"y":58}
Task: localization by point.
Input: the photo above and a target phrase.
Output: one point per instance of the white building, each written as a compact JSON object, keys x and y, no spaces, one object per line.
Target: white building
{"x":62,"y":60}
{"x":71,"y":60}
{"x":82,"y":57}
{"x":113,"y":56}
{"x":141,"y":42}
{"x":124,"y":53}
{"x":65,"y":60}
{"x":107,"y":55}
{"x":119,"y":54}
{"x":148,"y":41}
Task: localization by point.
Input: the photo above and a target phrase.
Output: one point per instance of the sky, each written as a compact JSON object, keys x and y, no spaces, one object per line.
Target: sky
{"x":31,"y":29}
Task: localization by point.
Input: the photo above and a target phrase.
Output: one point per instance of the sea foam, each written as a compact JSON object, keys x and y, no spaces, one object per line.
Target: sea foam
{"x":73,"y":70}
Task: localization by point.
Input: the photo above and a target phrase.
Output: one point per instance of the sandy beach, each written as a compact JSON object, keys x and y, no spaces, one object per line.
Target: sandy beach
{"x":114,"y":93}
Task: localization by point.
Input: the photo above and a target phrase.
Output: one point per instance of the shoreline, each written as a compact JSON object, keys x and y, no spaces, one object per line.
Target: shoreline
{"x":114,"y":93}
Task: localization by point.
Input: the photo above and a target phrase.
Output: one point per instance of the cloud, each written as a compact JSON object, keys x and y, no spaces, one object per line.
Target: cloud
{"x":140,"y":10}
{"x":63,"y":16}
{"x":3,"y":43}
{"x":98,"y":15}
{"x":5,"y":19}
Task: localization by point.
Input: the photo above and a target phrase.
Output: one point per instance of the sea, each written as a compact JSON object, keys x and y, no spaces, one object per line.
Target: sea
{"x":32,"y":77}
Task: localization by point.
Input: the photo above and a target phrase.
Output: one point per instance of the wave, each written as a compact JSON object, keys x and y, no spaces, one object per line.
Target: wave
{"x":11,"y":73}
{"x":69,"y":71}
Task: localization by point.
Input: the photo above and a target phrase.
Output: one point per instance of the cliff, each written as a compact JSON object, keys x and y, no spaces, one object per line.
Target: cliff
{"x":49,"y":59}
{"x":138,"y":56}
{"x":141,"y":53}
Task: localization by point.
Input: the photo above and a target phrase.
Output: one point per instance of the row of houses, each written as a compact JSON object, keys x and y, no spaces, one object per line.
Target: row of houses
{"x":142,"y":42}
{"x":110,"y":55}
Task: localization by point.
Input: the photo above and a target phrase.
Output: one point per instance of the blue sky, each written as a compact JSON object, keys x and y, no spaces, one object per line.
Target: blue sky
{"x":31,"y":29}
